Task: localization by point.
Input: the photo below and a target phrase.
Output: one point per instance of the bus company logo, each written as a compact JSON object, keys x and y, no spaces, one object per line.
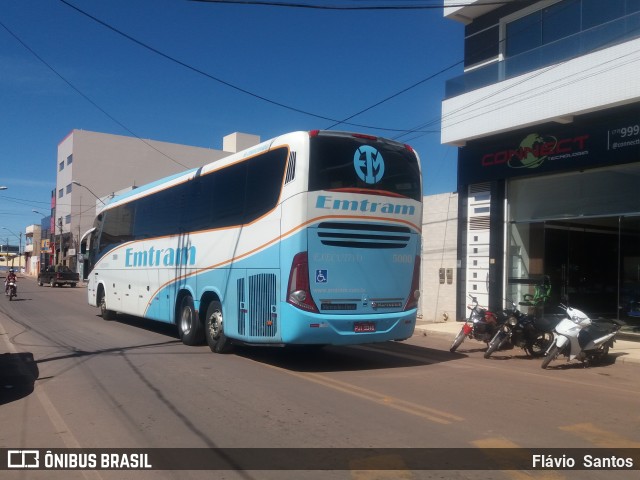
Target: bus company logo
{"x":369,"y":164}
{"x":157,"y":257}
{"x":535,"y":149}
{"x":327,"y":202}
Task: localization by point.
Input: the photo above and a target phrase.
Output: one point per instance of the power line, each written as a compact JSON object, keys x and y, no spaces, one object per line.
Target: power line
{"x":430,"y":77}
{"x":324,"y":6}
{"x":219,"y":80}
{"x":465,"y":109}
{"x":83,"y":95}
{"x":568,"y":80}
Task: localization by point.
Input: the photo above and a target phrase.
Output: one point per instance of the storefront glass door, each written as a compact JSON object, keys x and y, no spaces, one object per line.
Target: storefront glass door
{"x":581,"y":231}
{"x":591,"y":264}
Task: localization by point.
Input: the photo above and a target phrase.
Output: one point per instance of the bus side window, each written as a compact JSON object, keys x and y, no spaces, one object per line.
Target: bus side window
{"x":264,"y":183}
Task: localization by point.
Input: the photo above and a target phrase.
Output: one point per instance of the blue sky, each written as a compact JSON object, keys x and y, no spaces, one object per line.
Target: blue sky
{"x":322,"y":64}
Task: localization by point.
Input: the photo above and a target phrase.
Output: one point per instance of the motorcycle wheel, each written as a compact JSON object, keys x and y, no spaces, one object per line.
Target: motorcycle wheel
{"x":457,"y":341}
{"x":495,"y":343}
{"x":539,"y":345}
{"x":555,"y":351}
{"x":600,"y":356}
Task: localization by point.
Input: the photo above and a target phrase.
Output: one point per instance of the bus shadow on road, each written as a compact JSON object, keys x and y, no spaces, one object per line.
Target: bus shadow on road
{"x":18,"y":373}
{"x":161,"y":328}
{"x":374,"y":356}
{"x":315,"y":358}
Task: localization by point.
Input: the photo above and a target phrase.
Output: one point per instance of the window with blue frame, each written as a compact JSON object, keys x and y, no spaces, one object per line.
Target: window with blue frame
{"x":558,"y":32}
{"x":558,"y":22}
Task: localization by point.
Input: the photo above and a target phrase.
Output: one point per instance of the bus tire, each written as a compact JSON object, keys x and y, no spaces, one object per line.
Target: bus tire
{"x":189,"y":324}
{"x":214,"y":330}
{"x":105,"y":313}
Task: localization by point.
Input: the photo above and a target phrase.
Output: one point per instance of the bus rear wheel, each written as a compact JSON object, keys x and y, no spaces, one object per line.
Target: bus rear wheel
{"x":189,"y":324}
{"x":214,"y":331}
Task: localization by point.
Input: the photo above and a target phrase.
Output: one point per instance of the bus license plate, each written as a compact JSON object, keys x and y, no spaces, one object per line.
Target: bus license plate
{"x":360,"y":327}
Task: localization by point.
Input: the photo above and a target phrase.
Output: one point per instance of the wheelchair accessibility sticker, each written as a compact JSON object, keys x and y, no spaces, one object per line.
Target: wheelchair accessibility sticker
{"x":322,"y":276}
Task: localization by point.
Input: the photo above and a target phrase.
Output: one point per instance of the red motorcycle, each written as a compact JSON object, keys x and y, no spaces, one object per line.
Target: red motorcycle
{"x":481,"y":325}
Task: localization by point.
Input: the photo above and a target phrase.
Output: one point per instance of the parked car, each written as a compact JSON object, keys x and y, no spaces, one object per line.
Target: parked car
{"x":58,"y":275}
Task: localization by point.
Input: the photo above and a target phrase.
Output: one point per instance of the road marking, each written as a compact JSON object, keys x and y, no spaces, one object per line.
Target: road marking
{"x":427,"y":413}
{"x":599,"y":437}
{"x":497,"y":443}
{"x":431,"y":414}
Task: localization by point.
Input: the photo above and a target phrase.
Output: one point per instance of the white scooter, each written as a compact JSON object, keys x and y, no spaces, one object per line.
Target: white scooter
{"x":578,"y":337}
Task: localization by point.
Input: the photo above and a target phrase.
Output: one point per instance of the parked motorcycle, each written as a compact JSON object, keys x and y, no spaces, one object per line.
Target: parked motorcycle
{"x":481,"y":325}
{"x":13,"y":291}
{"x":578,"y":337}
{"x":533,"y":335}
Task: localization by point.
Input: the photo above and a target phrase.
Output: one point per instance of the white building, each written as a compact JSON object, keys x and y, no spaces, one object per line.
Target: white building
{"x":32,"y":248}
{"x":547,"y":118}
{"x":439,"y":270}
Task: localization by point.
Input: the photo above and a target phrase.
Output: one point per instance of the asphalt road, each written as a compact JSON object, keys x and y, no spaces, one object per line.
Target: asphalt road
{"x":72,"y":380}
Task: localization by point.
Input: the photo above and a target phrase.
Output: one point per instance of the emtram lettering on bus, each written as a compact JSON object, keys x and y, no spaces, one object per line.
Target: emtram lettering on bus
{"x":153,"y":257}
{"x":327,"y":202}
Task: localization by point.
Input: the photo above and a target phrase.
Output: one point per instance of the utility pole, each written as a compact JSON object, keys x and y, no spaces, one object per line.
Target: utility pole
{"x":59,"y":259}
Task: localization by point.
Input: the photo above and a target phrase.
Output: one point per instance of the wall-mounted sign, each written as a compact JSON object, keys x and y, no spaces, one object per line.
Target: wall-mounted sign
{"x":588,"y":142}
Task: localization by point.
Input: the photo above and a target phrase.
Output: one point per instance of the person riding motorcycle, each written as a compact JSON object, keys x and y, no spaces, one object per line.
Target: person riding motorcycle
{"x":11,"y":277}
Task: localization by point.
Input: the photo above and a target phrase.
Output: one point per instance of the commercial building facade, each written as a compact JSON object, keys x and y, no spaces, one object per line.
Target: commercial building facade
{"x":93,"y":166}
{"x":547,"y":118}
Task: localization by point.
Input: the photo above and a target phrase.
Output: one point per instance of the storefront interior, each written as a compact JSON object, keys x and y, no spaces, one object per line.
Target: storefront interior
{"x":580,"y":232}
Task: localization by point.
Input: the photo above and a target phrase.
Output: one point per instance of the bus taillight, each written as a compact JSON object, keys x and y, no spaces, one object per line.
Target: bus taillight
{"x":299,"y":291}
{"x":373,"y":138}
{"x":414,"y":292}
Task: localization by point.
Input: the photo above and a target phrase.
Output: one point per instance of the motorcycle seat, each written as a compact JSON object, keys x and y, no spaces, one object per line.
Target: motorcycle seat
{"x":547,"y":323}
{"x":608,"y":322}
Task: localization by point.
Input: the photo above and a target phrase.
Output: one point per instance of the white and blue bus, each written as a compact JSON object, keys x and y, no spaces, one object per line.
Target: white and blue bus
{"x":311,"y":238}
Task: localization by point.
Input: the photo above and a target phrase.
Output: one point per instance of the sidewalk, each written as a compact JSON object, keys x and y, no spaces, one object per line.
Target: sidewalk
{"x":625,"y":351}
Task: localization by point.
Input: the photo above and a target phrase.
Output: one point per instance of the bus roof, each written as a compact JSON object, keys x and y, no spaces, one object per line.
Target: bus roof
{"x":178,"y":178}
{"x":184,"y":176}
{"x":152,"y":187}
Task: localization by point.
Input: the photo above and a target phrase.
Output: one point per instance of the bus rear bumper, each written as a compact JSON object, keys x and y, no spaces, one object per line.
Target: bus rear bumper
{"x":303,"y":328}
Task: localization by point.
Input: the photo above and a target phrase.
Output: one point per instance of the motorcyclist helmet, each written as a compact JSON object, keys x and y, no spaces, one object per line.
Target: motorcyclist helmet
{"x":11,"y":270}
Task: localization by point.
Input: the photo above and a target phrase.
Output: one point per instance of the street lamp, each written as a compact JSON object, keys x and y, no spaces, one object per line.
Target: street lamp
{"x":89,"y":190}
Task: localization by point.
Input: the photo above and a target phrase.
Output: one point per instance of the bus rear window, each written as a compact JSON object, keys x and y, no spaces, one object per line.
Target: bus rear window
{"x":347,"y":163}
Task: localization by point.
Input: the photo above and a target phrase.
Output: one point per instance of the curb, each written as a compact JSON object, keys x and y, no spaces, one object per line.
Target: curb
{"x":624,"y":351}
